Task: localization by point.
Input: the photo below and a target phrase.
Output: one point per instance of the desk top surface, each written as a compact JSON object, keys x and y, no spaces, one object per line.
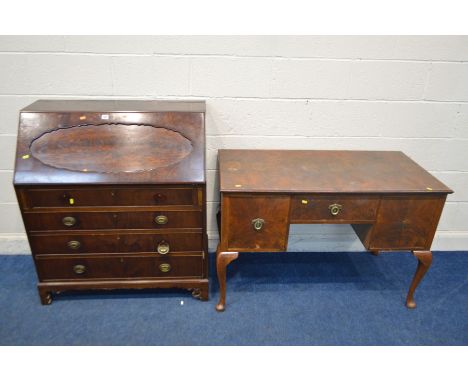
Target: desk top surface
{"x":297,"y":171}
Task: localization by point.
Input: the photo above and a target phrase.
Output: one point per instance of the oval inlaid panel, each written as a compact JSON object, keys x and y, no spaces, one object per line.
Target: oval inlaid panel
{"x":111,"y":148}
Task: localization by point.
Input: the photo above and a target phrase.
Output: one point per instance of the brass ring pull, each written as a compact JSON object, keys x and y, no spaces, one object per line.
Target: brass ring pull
{"x":74,"y":244}
{"x":258,"y":224}
{"x":165,"y":267}
{"x":69,"y":221}
{"x":335,"y":208}
{"x":161,"y":219}
{"x":79,"y":269}
{"x":163,"y":248}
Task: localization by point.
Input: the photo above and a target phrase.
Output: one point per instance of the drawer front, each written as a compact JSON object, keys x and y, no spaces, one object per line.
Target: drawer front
{"x":114,"y":243}
{"x":255,"y":223}
{"x":154,"y":196}
{"x":407,"y":222}
{"x":119,"y":267}
{"x":48,"y":221}
{"x":333,"y":209}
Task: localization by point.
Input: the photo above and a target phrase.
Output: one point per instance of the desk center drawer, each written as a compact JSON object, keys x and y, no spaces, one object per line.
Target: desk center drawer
{"x":115,"y":242}
{"x":333,"y":208}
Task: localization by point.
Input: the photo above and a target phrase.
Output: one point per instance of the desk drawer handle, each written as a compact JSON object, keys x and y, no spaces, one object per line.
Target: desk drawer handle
{"x":161,"y":219}
{"x":258,"y":224}
{"x":335,"y":208}
{"x":79,"y":269}
{"x":69,"y":221}
{"x":163,"y":248}
{"x":73,"y":244}
{"x":165,"y":267}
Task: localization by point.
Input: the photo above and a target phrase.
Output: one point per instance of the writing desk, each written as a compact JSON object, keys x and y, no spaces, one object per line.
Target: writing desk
{"x":391,"y":202}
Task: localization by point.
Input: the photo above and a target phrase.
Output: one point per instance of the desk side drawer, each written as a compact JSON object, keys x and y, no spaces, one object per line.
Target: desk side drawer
{"x":333,"y":209}
{"x":119,"y":267}
{"x":406,"y":222}
{"x":270,"y":233}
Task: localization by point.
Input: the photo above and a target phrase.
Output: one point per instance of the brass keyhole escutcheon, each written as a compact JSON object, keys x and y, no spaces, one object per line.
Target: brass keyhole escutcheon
{"x":335,"y":208}
{"x":161,"y":219}
{"x":258,"y":224}
{"x":69,"y":221}
{"x":163,"y":248}
{"x":79,"y":269}
{"x":165,"y":267}
{"x":74,"y":244}
{"x":69,"y":199}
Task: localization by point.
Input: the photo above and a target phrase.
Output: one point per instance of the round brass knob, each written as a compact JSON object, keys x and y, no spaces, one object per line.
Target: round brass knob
{"x":258,"y":224}
{"x":161,"y":219}
{"x":164,"y":267}
{"x":163,"y":248}
{"x":335,"y":208}
{"x":69,"y":221}
{"x":79,"y":269}
{"x":74,"y":244}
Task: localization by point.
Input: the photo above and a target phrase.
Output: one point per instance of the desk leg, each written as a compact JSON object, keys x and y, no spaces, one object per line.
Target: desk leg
{"x":222,"y":261}
{"x":424,"y":262}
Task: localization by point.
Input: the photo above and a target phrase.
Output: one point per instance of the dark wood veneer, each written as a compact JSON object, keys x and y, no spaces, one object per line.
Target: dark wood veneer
{"x":38,"y":221}
{"x":391,"y":202}
{"x":106,"y":188}
{"x":111,"y":196}
{"x":135,"y":266}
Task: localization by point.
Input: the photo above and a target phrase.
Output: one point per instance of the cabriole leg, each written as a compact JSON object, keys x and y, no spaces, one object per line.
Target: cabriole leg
{"x":222,"y":261}
{"x":424,"y":262}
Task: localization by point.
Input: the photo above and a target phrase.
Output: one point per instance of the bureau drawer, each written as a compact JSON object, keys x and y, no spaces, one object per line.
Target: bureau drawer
{"x":112,"y":242}
{"x":333,"y":209}
{"x":69,"y":197}
{"x":73,"y":220}
{"x":119,"y":267}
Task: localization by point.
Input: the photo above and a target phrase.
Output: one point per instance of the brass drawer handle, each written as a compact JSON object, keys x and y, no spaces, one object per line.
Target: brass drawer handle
{"x":79,"y":269}
{"x":73,"y":244}
{"x":163,"y":248}
{"x":161,"y":219}
{"x":165,"y":267}
{"x":69,"y":221}
{"x":335,"y":208}
{"x":258,"y":224}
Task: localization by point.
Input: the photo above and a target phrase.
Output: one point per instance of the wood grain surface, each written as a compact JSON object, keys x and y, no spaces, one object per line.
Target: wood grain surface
{"x":320,"y":171}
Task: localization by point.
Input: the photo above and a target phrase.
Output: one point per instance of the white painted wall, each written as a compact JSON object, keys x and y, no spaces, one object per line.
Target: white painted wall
{"x":322,"y":92}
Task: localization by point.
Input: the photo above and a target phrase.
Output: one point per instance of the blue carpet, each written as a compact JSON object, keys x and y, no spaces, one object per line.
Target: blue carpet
{"x":273,"y":299}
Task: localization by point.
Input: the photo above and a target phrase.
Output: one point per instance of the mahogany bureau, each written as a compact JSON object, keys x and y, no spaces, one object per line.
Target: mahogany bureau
{"x":112,"y":194}
{"x":390,"y":201}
